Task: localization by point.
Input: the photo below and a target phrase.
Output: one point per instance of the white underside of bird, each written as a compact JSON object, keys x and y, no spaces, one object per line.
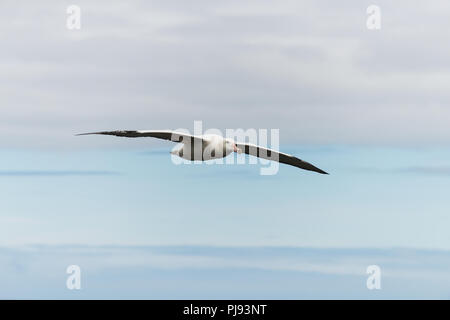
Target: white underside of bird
{"x":210,"y":147}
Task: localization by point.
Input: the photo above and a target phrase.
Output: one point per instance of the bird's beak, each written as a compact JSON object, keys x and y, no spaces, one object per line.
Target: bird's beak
{"x":236,"y":149}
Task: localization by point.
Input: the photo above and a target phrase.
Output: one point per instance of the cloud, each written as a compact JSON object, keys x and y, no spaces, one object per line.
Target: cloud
{"x":420,"y":170}
{"x":311,"y":69}
{"x":55,"y":173}
{"x":427,"y":170}
{"x":232,"y":272}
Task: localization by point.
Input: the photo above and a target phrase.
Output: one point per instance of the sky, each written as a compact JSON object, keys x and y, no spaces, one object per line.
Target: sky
{"x":368,"y":106}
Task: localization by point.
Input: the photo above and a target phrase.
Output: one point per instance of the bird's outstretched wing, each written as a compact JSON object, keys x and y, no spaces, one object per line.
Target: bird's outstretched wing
{"x":170,"y":135}
{"x":270,"y":154}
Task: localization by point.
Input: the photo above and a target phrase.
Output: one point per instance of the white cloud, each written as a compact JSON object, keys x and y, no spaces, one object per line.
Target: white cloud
{"x":310,"y":69}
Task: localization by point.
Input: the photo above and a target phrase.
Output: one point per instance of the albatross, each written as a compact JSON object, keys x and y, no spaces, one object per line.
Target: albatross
{"x":211,"y":146}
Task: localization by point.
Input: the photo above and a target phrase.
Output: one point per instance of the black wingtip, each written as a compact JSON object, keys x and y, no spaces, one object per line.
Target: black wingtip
{"x":321,"y":171}
{"x":89,"y":133}
{"x":311,"y":167}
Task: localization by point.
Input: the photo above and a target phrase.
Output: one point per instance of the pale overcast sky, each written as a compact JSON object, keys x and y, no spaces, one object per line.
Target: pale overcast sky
{"x":310,"y":68}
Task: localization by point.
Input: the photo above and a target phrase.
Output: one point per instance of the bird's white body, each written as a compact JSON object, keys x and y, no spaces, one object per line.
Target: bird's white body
{"x":208,"y":148}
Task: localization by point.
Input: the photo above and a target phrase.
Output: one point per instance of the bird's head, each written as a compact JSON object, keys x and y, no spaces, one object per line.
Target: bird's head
{"x":230,"y":144}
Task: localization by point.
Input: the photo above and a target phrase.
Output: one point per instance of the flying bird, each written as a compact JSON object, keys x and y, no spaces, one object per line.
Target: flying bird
{"x":211,"y":146}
